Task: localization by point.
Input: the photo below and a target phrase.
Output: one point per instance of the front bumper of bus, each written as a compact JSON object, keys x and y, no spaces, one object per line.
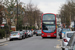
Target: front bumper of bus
{"x":49,"y":35}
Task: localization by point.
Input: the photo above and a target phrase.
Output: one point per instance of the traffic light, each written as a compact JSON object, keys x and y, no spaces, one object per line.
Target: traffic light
{"x":0,"y":18}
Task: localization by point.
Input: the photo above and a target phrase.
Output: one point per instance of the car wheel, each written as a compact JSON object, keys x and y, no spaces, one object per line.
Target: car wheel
{"x":26,"y":36}
{"x":20,"y":38}
{"x":63,"y":48}
{"x":29,"y":35}
{"x":23,"y":37}
{"x":36,"y":34}
{"x":11,"y":40}
{"x":32,"y":35}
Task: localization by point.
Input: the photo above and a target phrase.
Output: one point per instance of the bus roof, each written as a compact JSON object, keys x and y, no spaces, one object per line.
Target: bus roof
{"x":48,"y":13}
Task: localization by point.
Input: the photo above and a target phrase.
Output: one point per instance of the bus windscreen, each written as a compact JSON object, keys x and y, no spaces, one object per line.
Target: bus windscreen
{"x":48,"y":28}
{"x":48,"y":17}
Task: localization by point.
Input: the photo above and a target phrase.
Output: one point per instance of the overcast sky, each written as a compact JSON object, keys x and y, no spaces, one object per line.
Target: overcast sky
{"x":47,"y":6}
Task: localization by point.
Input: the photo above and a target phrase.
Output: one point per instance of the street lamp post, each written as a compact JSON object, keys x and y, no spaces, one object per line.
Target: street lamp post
{"x":74,"y":25}
{"x":17,"y":14}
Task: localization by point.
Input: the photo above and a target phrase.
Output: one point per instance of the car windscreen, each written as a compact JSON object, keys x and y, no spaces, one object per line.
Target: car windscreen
{"x":65,"y":30}
{"x":28,"y":30}
{"x":21,"y":32}
{"x":24,"y":31}
{"x":39,"y":31}
{"x":14,"y":32}
{"x":69,"y":35}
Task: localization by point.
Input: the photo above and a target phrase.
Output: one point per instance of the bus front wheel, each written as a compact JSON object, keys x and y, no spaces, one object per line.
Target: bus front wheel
{"x":43,"y":37}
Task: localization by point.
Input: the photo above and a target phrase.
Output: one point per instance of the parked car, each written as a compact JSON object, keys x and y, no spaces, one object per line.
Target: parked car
{"x":66,"y":38}
{"x":35,"y":31}
{"x":29,"y":33}
{"x":26,"y":34}
{"x":63,"y":31}
{"x":71,"y":43}
{"x":15,"y":35}
{"x":38,"y":32}
{"x":23,"y":34}
{"x":32,"y":31}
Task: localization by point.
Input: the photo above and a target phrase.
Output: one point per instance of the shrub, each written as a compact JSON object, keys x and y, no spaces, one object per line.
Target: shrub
{"x":10,"y":30}
{"x":2,"y":33}
{"x":23,"y":27}
{"x":33,"y":27}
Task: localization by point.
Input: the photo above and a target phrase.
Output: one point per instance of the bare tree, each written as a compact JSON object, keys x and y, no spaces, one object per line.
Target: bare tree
{"x":33,"y":14}
{"x":67,"y":13}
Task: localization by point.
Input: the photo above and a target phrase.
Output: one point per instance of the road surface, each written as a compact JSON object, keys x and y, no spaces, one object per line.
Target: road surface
{"x":33,"y":43}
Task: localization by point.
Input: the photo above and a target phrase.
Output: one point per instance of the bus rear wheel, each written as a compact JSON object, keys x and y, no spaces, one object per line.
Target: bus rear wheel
{"x":55,"y":37}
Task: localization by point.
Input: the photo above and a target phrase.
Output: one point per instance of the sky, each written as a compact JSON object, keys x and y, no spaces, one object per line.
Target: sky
{"x":47,"y":6}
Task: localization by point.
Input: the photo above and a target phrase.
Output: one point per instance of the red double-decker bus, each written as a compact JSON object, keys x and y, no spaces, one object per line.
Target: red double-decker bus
{"x":49,"y":25}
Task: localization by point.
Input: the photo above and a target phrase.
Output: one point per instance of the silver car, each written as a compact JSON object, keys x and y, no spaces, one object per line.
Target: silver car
{"x":22,"y":34}
{"x":16,"y":35}
{"x":66,"y":38}
{"x":38,"y":32}
{"x":71,"y":43}
{"x":30,"y":34}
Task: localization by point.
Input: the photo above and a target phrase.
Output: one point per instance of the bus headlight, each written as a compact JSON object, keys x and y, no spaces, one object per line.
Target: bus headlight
{"x":42,"y":34}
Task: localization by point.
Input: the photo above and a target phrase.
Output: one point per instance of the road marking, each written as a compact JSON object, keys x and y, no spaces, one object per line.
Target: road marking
{"x":58,"y":46}
{"x":5,"y":44}
{"x":1,"y":44}
{"x":59,"y":40}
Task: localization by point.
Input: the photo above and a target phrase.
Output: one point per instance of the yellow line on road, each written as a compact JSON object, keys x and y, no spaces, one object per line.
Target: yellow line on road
{"x":58,"y":46}
{"x":2,"y":44}
{"x":59,"y":40}
{"x":5,"y":44}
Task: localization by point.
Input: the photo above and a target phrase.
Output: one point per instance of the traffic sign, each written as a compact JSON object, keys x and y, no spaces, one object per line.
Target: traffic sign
{"x":2,"y":25}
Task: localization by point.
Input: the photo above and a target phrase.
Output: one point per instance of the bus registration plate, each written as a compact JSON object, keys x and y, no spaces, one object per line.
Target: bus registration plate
{"x":48,"y":36}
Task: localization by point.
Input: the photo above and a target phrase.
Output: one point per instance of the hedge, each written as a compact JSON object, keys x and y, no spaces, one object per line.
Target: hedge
{"x":2,"y":33}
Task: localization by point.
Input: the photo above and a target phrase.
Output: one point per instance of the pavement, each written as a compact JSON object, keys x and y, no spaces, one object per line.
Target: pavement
{"x":33,"y":43}
{"x":2,"y":41}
